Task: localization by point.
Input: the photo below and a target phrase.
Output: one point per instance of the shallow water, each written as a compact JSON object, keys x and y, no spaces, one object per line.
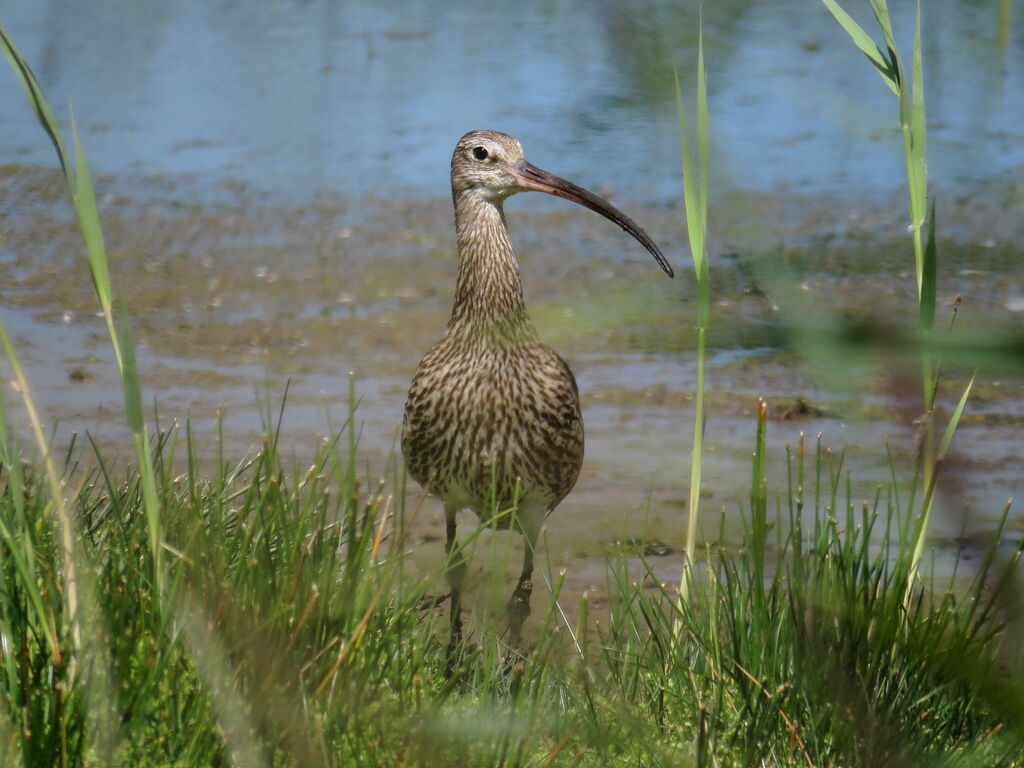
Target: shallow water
{"x":356,"y":96}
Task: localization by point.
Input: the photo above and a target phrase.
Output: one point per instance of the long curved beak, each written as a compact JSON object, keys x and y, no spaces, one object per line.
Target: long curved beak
{"x":530,"y":177}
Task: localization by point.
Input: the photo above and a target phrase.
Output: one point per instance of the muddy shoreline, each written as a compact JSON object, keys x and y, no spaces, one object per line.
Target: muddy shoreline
{"x":233,"y":296}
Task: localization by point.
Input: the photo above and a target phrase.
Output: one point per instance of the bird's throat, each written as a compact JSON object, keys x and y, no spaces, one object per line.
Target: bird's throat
{"x":489,"y":291}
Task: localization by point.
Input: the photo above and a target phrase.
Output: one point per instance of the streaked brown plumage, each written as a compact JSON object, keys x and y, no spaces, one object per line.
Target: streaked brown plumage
{"x":493,"y":415}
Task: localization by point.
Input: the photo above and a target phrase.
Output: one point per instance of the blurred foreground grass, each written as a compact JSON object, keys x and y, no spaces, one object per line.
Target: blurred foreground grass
{"x":289,"y":631}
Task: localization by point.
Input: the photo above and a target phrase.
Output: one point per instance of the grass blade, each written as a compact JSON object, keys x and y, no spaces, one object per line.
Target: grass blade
{"x":38,"y":101}
{"x":866,"y":45}
{"x":954,"y":420}
{"x":695,"y":186}
{"x":929,"y":269}
{"x":691,"y":195}
{"x":703,"y":140}
{"x":84,"y":200}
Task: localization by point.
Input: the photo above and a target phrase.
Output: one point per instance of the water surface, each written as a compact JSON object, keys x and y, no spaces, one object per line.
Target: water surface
{"x":359,"y":96}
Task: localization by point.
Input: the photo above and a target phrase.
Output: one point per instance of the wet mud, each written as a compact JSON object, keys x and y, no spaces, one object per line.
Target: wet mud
{"x":234,"y":296}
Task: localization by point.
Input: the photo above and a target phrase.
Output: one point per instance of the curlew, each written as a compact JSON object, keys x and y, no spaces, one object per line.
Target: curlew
{"x":492,"y":421}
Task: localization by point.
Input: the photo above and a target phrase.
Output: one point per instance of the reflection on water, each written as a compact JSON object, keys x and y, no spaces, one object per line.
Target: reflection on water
{"x":361,"y":95}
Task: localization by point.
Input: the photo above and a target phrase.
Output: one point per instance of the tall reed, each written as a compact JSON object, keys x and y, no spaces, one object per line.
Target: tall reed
{"x":695,"y":194}
{"x":909,"y":92}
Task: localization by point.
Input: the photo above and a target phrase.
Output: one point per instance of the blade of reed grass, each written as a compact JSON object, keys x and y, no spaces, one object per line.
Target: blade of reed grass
{"x":866,"y":45}
{"x":703,"y":141}
{"x":132,"y":386}
{"x":759,"y":502}
{"x":35,"y":96}
{"x":912,"y":123}
{"x":954,"y":420}
{"x":924,"y":517}
{"x":929,"y":268}
{"x":1005,"y":7}
{"x":84,"y":199}
{"x":695,"y":186}
{"x":926,"y":268}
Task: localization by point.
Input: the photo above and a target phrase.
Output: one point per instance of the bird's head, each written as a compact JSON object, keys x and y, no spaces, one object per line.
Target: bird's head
{"x":491,"y":166}
{"x":485,"y":163}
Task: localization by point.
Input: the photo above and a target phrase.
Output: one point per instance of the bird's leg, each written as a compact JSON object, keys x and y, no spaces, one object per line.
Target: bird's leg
{"x":456,"y":574}
{"x":518,"y":608}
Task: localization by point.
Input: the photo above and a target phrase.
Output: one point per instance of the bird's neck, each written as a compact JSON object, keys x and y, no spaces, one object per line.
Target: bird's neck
{"x":489,"y":291}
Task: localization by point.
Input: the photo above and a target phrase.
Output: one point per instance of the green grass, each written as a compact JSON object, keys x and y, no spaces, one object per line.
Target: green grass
{"x":193,"y":609}
{"x":293,"y":632}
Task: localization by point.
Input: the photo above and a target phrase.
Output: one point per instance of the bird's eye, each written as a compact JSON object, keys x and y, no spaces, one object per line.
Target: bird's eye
{"x":479,"y":153}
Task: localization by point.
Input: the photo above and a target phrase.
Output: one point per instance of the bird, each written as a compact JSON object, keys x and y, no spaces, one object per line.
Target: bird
{"x":492,"y":421}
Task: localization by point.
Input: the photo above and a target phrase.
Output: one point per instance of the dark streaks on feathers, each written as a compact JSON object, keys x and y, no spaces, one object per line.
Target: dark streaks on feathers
{"x":516,"y":409}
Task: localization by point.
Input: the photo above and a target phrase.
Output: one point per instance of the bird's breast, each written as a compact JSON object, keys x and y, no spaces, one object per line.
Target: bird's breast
{"x":493,"y":424}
